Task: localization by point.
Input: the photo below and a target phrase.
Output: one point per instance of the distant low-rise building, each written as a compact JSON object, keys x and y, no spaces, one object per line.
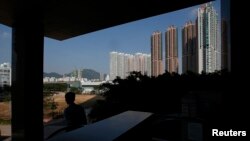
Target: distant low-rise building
{"x":45,"y":79}
{"x":5,"y":74}
{"x":89,"y":86}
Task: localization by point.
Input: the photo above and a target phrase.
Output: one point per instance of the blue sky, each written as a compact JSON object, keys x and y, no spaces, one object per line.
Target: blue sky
{"x":92,"y":50}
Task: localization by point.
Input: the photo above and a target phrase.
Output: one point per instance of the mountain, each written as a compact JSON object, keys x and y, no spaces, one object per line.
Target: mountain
{"x":52,"y":74}
{"x":86,"y":73}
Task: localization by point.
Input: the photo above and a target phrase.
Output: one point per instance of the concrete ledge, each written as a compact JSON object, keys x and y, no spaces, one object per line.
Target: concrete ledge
{"x":106,"y":130}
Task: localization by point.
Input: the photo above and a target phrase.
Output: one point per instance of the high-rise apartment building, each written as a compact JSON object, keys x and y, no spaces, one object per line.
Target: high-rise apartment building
{"x":5,"y":74}
{"x":171,"y":43}
{"x":113,"y":65}
{"x":143,"y":63}
{"x":189,"y":48}
{"x":147,"y":64}
{"x":131,"y":63}
{"x":208,"y":49}
{"x":79,"y":75}
{"x":138,"y":59}
{"x":122,"y":64}
{"x":156,"y":54}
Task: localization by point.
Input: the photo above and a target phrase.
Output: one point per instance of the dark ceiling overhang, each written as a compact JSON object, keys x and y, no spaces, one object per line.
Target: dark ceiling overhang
{"x":65,"y":19}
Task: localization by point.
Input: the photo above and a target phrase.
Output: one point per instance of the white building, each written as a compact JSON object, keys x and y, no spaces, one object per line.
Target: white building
{"x":107,"y":78}
{"x":122,"y":64}
{"x":143,"y":63}
{"x":113,"y":65}
{"x":90,"y":86}
{"x":45,"y":79}
{"x":208,"y":49}
{"x":5,"y":74}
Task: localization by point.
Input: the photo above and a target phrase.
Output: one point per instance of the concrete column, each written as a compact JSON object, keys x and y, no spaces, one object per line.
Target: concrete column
{"x":27,"y":72}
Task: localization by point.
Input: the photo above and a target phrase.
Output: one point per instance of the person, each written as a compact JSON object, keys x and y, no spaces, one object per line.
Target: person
{"x":74,"y":114}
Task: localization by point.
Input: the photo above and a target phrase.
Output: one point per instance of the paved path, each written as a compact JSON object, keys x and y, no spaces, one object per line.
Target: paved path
{"x":5,"y":130}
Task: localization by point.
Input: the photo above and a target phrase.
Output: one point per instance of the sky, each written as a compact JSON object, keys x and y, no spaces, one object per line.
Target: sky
{"x":91,"y":51}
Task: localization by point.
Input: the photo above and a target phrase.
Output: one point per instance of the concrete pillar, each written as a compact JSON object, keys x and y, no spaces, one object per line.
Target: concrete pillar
{"x":27,"y":72}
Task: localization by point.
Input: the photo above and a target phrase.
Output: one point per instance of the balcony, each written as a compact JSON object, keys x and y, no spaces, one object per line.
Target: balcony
{"x":129,"y":125}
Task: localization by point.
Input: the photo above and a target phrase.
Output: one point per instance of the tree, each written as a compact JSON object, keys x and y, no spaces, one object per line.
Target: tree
{"x":75,"y":90}
{"x":53,"y":107}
